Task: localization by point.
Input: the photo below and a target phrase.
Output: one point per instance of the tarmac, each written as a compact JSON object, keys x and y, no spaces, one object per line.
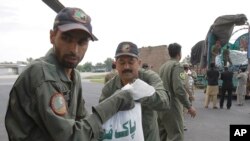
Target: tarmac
{"x":208,"y":125}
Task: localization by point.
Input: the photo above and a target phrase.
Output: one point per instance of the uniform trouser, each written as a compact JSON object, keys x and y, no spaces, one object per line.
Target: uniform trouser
{"x":171,"y":126}
{"x":162,"y":130}
{"x":229,"y":97}
{"x":240,"y":99}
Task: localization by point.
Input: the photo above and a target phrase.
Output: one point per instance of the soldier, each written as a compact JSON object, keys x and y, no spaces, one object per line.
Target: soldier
{"x":145,"y":66}
{"x":188,"y":89}
{"x":46,"y":102}
{"x":187,"y":82}
{"x":192,"y":76}
{"x":111,"y":74}
{"x":128,"y":67}
{"x":172,"y":74}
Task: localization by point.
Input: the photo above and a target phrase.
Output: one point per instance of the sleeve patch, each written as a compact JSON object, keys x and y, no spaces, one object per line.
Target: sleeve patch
{"x":182,"y":75}
{"x":58,"y":104}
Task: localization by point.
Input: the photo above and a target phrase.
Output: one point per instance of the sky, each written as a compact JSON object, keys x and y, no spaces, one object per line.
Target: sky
{"x":25,"y":24}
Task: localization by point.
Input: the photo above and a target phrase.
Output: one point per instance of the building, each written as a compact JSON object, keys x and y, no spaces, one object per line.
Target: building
{"x":10,"y":69}
{"x":154,"y":56}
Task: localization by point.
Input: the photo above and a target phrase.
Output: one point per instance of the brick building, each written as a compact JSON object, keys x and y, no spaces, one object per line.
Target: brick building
{"x":154,"y":56}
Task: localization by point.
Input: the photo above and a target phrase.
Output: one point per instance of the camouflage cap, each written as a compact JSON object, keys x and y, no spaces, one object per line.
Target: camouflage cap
{"x":73,"y":18}
{"x":185,"y":64}
{"x":127,"y":48}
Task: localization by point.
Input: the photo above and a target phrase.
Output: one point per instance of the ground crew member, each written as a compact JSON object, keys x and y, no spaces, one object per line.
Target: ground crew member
{"x":128,"y":67}
{"x":111,"y":74}
{"x":187,"y":84}
{"x":46,"y":102}
{"x":172,"y":74}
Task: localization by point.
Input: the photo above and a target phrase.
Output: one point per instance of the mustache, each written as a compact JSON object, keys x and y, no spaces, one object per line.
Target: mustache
{"x":127,"y":71}
{"x":70,"y":55}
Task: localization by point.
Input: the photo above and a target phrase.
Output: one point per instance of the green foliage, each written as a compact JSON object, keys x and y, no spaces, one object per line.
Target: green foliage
{"x":95,"y":77}
{"x":88,"y":67}
{"x":80,"y":68}
{"x":108,"y":63}
{"x":29,"y":60}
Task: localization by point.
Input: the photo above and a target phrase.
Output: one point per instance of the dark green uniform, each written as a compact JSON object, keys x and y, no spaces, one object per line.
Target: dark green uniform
{"x":45,"y":105}
{"x":171,"y":121}
{"x":159,"y":101}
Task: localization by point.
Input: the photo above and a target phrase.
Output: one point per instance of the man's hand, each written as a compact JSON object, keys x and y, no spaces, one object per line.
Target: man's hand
{"x":192,"y":111}
{"x":120,"y":101}
{"x":191,"y":98}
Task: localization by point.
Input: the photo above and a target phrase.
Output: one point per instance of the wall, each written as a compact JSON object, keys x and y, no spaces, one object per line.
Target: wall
{"x":154,"y":56}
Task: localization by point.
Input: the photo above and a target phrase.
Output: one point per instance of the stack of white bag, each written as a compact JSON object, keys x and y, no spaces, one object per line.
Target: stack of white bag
{"x":127,"y":125}
{"x":238,"y":57}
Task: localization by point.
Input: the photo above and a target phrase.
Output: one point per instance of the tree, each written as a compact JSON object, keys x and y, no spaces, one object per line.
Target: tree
{"x":108,"y":63}
{"x":100,"y":67}
{"x":29,"y":60}
{"x":87,"y":67}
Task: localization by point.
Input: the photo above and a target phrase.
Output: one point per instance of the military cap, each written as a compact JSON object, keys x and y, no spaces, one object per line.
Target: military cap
{"x":73,"y":18}
{"x":127,"y":48}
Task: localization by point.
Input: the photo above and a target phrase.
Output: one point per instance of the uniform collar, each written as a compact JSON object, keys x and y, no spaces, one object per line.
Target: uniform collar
{"x":173,"y":59}
{"x":118,"y":82}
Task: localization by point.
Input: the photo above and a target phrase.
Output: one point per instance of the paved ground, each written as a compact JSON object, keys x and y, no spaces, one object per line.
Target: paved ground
{"x":209,"y":125}
{"x":213,"y":124}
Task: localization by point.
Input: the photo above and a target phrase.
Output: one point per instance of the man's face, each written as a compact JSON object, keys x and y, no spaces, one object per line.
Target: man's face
{"x":70,"y":46}
{"x":127,"y":67}
{"x":218,"y":45}
{"x":186,"y":68}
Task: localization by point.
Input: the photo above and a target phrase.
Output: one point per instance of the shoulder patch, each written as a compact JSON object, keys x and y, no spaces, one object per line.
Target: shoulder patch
{"x":182,"y":75}
{"x":58,"y":104}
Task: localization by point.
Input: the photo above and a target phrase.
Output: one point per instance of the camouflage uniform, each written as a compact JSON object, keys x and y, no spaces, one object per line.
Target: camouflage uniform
{"x":110,"y":75}
{"x":241,"y":88}
{"x":171,"y":121}
{"x":159,"y":101}
{"x":187,"y":86}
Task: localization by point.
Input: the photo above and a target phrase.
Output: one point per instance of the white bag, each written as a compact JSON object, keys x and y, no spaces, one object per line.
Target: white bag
{"x":127,"y":125}
{"x":124,"y":126}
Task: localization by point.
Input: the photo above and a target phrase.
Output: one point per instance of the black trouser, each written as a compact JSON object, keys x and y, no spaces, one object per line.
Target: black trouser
{"x":229,"y":97}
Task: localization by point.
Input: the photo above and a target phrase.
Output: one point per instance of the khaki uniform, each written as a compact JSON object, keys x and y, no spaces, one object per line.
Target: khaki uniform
{"x":171,"y":120}
{"x":159,"y":101}
{"x":45,"y":105}
{"x":241,"y":88}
